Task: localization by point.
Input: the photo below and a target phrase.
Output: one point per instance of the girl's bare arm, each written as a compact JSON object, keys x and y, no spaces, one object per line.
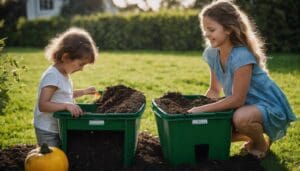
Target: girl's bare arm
{"x":240,"y":86}
{"x":214,"y":88}
{"x":46,"y":105}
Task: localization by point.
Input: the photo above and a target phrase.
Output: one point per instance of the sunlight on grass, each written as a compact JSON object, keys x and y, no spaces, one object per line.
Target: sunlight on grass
{"x":153,"y":73}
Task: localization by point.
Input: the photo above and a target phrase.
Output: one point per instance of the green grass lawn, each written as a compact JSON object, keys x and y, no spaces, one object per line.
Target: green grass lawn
{"x":153,"y":73}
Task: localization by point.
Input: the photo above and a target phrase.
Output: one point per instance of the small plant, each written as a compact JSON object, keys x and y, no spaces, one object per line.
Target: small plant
{"x":9,"y":75}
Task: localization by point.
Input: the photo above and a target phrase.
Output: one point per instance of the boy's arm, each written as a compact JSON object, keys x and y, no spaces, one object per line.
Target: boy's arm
{"x":81,"y":92}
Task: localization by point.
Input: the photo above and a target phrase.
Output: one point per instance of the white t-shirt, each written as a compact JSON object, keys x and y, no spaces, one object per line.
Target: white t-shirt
{"x":63,"y":94}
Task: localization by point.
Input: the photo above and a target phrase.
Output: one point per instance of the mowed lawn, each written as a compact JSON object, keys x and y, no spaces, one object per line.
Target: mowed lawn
{"x":154,"y":73}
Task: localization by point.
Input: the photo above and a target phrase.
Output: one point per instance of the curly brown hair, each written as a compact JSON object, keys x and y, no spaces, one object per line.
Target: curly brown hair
{"x":75,"y":42}
{"x":243,"y":32}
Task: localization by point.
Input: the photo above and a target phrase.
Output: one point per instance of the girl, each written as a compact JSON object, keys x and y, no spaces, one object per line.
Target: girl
{"x":237,"y":65}
{"x":70,"y":52}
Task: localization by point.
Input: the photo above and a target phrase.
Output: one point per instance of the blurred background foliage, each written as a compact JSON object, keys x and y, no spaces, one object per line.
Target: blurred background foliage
{"x":172,"y":26}
{"x":10,"y":70}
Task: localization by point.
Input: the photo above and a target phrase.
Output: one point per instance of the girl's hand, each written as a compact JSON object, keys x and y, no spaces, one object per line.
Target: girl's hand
{"x":195,"y":110}
{"x":90,"y":90}
{"x":74,"y":109}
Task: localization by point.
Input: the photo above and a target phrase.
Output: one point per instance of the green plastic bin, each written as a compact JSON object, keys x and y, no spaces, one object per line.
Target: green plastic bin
{"x":129,"y":123}
{"x":189,"y":138}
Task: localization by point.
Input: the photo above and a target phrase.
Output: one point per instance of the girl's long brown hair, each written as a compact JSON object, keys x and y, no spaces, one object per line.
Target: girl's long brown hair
{"x":227,"y":14}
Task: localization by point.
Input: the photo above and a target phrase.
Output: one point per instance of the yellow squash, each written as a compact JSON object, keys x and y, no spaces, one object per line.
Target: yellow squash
{"x":46,"y":158}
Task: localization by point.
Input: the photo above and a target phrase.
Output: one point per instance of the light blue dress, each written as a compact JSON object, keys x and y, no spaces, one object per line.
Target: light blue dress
{"x":263,"y":92}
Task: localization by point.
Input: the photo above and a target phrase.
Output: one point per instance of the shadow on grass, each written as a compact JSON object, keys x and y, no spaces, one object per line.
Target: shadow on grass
{"x":272,"y":163}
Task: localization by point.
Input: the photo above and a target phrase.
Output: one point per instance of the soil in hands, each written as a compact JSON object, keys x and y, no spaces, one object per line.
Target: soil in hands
{"x":176,"y":103}
{"x":120,"y":99}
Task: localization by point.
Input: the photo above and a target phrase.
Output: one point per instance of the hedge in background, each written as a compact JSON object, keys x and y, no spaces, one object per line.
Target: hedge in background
{"x":160,"y":31}
{"x":278,"y":21}
{"x":165,"y":30}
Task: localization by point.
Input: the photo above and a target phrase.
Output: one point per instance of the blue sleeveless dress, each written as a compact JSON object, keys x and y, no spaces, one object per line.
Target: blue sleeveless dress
{"x":263,"y":92}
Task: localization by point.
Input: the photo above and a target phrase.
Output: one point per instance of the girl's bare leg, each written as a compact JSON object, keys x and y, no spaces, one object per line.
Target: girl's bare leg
{"x":248,"y":121}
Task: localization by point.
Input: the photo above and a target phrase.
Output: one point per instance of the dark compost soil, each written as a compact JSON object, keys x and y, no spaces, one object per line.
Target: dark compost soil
{"x":176,"y":103}
{"x":148,"y":157}
{"x":13,"y":158}
{"x":91,"y":150}
{"x":120,"y":99}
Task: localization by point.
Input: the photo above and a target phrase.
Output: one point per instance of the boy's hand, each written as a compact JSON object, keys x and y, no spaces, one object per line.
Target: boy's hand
{"x":74,"y":109}
{"x":90,"y":90}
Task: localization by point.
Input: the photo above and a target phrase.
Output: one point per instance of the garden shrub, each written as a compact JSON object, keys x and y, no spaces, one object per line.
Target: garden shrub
{"x":81,"y":7}
{"x":10,"y":12}
{"x":278,"y":21}
{"x":9,"y":76}
{"x":168,"y":30}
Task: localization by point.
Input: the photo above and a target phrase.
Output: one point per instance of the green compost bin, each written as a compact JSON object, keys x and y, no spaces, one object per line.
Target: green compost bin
{"x":190,"y":138}
{"x":129,"y":123}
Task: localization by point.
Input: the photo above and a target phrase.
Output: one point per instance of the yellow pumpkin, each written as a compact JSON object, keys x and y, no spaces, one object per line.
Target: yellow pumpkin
{"x":46,"y":158}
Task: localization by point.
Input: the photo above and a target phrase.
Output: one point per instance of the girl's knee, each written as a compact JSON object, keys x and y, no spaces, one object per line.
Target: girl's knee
{"x":239,"y":120}
{"x":246,"y":115}
{"x":246,"y":125}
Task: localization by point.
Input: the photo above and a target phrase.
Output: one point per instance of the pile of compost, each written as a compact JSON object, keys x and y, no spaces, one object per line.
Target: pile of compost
{"x":13,"y":158}
{"x":120,"y":99}
{"x":91,"y":150}
{"x":148,"y":157}
{"x":176,"y":103}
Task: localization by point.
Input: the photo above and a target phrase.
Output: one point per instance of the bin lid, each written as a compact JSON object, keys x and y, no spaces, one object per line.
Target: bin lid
{"x":89,"y":113}
{"x":208,"y":115}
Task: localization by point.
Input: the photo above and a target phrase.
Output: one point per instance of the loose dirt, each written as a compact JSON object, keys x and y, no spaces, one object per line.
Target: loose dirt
{"x":120,"y":99}
{"x":148,"y":157}
{"x":176,"y":103}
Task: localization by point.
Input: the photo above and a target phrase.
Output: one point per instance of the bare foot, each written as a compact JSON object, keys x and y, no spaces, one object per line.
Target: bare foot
{"x":257,"y":153}
{"x":260,"y":151}
{"x":247,"y":145}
